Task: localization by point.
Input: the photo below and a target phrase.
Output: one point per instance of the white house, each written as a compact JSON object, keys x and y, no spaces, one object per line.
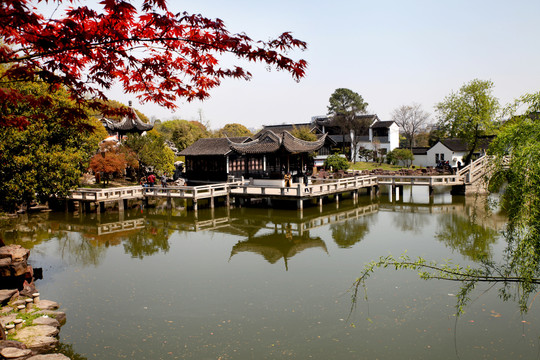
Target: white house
{"x":452,"y":150}
{"x":383,"y":136}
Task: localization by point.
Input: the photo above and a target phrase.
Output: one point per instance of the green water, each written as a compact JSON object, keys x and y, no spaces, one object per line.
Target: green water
{"x":254,"y":283}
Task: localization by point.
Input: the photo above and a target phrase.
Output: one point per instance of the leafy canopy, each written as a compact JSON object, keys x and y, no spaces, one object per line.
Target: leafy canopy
{"x":151,"y":52}
{"x":336,"y":162}
{"x":46,"y":158}
{"x":469,"y":113}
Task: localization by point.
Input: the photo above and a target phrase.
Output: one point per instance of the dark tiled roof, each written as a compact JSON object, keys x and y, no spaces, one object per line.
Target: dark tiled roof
{"x":339,"y":138}
{"x":295,"y":145}
{"x":269,"y":142}
{"x":131,"y":123}
{"x":211,"y":146}
{"x":382,"y":124}
{"x":420,"y":150}
{"x":279,"y":129}
{"x":455,"y":144}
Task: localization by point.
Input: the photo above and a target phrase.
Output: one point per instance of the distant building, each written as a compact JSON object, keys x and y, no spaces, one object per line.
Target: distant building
{"x":380,"y":135}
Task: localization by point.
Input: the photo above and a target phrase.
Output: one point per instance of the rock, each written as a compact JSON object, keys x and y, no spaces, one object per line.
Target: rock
{"x":6,"y":295}
{"x":14,"y":353}
{"x":47,"y":305}
{"x":40,"y":344}
{"x":4,"y":320}
{"x":38,"y":338}
{"x":15,"y":252}
{"x":12,"y":344}
{"x":49,"y":357}
{"x":58,"y":315}
{"x":46,"y":321}
{"x":35,"y":331}
{"x":4,"y":267}
{"x":18,"y":268}
{"x":28,"y":289}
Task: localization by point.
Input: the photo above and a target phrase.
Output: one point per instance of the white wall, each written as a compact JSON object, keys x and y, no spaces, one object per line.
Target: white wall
{"x":447,"y":154}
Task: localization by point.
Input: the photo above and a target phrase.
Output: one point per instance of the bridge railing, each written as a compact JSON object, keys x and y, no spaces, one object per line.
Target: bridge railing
{"x":91,"y":194}
{"x":438,"y":180}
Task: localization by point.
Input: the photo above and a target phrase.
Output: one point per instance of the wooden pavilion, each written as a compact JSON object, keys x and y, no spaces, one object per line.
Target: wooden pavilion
{"x":268,"y":156}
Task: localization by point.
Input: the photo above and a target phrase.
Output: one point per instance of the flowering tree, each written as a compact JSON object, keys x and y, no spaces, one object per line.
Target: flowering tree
{"x":152,"y":52}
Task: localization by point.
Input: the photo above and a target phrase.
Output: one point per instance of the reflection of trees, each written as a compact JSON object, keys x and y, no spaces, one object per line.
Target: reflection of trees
{"x":411,"y":221}
{"x":466,"y":236}
{"x":349,"y":232}
{"x":76,"y":249}
{"x":147,"y":241}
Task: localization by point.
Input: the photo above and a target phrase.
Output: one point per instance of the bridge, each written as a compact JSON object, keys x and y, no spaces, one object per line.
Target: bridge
{"x":470,"y":179}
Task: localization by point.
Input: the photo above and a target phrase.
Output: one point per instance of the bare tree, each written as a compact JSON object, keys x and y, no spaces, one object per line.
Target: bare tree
{"x":411,"y":119}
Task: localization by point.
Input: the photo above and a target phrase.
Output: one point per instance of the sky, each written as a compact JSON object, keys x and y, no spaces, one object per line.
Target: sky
{"x":392,"y":53}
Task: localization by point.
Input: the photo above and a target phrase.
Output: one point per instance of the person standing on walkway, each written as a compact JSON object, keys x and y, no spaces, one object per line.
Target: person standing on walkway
{"x":164,"y":180}
{"x":151,"y":180}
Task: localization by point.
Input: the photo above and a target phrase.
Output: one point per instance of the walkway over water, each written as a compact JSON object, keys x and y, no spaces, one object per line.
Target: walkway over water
{"x":470,"y":177}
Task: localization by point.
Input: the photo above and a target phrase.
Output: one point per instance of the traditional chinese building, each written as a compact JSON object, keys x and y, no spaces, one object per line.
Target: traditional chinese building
{"x":266,"y":156}
{"x":128,"y":125}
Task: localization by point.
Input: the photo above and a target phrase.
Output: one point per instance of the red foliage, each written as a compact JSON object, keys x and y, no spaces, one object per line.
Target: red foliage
{"x":108,"y":163}
{"x":158,"y":55}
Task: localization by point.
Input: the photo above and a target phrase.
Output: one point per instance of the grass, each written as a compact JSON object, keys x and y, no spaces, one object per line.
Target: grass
{"x":361,"y":165}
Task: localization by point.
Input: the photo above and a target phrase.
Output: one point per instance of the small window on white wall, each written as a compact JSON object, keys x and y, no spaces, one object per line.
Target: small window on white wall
{"x":436,"y":158}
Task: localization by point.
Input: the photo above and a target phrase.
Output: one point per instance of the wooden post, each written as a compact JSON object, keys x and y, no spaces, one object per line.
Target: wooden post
{"x":195,"y":204}
{"x":300,"y":204}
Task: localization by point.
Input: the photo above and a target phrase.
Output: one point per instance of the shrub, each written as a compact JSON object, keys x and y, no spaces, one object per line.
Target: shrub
{"x":337,"y":162}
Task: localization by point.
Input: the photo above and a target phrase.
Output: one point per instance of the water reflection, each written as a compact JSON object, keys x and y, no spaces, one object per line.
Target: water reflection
{"x":465,"y":225}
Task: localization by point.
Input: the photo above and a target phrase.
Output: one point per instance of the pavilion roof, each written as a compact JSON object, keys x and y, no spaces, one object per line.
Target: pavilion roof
{"x":269,"y":142}
{"x":211,"y":146}
{"x":129,"y":124}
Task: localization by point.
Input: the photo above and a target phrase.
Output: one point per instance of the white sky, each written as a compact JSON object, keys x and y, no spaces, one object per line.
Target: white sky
{"x":392,"y":53}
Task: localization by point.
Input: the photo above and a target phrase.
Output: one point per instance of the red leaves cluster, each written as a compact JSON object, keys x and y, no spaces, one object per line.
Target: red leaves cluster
{"x":158,"y":55}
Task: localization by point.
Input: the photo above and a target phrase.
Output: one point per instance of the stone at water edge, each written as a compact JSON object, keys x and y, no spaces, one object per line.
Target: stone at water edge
{"x":15,"y":252}
{"x":46,"y":321}
{"x":32,"y":331}
{"x":58,"y":315}
{"x":49,"y":357}
{"x":14,"y":353}
{"x":47,"y":305}
{"x":41,"y":344}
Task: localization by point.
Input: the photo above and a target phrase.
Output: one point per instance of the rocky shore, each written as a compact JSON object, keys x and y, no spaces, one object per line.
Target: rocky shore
{"x":29,"y":325}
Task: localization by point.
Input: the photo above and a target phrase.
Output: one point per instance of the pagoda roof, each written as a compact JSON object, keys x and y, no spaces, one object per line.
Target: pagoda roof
{"x":129,"y":124}
{"x":269,"y":142}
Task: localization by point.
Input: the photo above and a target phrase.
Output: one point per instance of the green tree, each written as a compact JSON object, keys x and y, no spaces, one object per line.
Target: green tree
{"x":234,"y":130}
{"x":516,"y":152}
{"x":46,"y":158}
{"x":405,"y":156}
{"x":469,"y":113}
{"x":344,"y":106}
{"x":182,"y":133}
{"x":336,"y":162}
{"x":151,"y":151}
{"x":303,"y":133}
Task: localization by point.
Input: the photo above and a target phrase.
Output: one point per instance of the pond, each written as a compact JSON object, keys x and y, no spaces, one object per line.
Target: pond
{"x":256,"y":283}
